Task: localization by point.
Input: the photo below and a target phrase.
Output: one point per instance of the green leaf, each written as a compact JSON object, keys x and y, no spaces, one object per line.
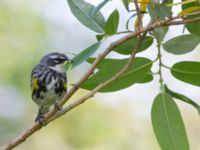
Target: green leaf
{"x":168,"y":124}
{"x":187,"y":71}
{"x":147,"y":78}
{"x":84,"y":55}
{"x":112,"y":23}
{"x":161,"y":33}
{"x":163,"y":11}
{"x":183,"y":98}
{"x":137,"y":71}
{"x":126,"y":4}
{"x":99,"y":37}
{"x":181,"y":44}
{"x":82,"y":10}
{"x":127,"y":47}
{"x":192,"y":27}
{"x":97,"y":9}
{"x":159,"y":11}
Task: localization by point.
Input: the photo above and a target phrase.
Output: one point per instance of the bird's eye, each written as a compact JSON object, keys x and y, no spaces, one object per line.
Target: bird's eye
{"x":56,"y":60}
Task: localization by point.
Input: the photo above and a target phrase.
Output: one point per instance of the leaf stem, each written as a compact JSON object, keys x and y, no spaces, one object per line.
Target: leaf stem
{"x":159,"y":56}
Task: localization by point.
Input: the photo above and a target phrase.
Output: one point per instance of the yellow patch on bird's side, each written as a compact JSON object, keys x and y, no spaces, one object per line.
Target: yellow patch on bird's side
{"x":65,"y":85}
{"x":35,"y":85}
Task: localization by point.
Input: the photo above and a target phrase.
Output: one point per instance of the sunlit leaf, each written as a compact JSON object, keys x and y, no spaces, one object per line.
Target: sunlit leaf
{"x":127,"y":47}
{"x":82,"y":10}
{"x":189,"y":10}
{"x":137,"y":71}
{"x":181,"y":44}
{"x":168,"y":124}
{"x":187,"y":71}
{"x":112,"y":23}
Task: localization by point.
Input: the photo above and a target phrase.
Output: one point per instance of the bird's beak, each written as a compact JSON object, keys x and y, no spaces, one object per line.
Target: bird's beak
{"x":68,"y":62}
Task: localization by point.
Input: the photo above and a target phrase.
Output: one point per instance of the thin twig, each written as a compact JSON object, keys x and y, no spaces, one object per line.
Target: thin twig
{"x":36,"y":126}
{"x":139,"y":16}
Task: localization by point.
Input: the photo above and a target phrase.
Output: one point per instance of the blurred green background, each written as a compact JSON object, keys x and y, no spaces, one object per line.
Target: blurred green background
{"x":116,"y":121}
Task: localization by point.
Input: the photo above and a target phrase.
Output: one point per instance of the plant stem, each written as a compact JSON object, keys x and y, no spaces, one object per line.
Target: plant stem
{"x":159,"y":56}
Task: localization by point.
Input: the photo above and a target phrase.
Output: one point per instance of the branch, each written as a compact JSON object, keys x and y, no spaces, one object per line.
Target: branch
{"x":102,"y":85}
{"x":36,"y":126}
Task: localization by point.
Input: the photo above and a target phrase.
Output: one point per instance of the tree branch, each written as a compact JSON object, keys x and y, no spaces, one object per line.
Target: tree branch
{"x":53,"y":112}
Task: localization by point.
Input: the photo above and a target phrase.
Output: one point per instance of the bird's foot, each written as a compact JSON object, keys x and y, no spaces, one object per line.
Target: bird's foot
{"x":40,"y":120}
{"x":75,"y":85}
{"x":57,"y":107}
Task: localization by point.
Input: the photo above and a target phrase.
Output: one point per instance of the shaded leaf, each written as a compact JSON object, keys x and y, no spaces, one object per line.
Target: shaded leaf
{"x":82,"y":10}
{"x":127,"y":47}
{"x":112,"y":23}
{"x":84,"y":55}
{"x":187,"y":71}
{"x":137,"y":71}
{"x":97,"y":9}
{"x":168,"y":124}
{"x":183,"y":98}
{"x":181,"y":44}
{"x":161,"y":33}
{"x":159,"y":11}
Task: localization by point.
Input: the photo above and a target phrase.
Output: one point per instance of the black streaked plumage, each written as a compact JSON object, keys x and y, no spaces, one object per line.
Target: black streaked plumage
{"x":48,"y":82}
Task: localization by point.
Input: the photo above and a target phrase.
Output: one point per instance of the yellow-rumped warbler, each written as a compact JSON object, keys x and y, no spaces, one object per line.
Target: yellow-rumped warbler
{"x":49,"y":82}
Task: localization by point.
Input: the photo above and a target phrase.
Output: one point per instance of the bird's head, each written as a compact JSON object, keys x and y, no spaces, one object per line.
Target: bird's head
{"x":56,"y":61}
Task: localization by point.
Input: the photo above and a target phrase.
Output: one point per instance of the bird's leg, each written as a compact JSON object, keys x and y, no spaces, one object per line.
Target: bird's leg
{"x":40,"y":116}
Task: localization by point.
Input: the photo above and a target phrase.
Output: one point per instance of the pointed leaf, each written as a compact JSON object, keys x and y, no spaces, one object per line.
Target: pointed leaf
{"x":112,"y":23}
{"x":97,"y":9}
{"x":82,"y":10}
{"x":84,"y":55}
{"x":137,"y":71}
{"x":187,"y":71}
{"x":188,"y":43}
{"x":168,"y":124}
{"x":126,"y":4}
{"x":183,"y":98}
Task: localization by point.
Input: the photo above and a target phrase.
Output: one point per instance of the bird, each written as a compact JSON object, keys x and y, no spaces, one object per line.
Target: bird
{"x":49,"y":82}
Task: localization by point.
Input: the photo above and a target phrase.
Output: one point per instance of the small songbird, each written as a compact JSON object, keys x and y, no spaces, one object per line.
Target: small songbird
{"x":49,"y":82}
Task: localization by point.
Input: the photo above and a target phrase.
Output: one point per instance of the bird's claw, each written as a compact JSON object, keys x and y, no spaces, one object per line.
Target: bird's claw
{"x":57,"y":107}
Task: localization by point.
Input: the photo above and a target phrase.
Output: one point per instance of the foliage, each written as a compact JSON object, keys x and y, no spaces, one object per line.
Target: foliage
{"x":166,"y":117}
